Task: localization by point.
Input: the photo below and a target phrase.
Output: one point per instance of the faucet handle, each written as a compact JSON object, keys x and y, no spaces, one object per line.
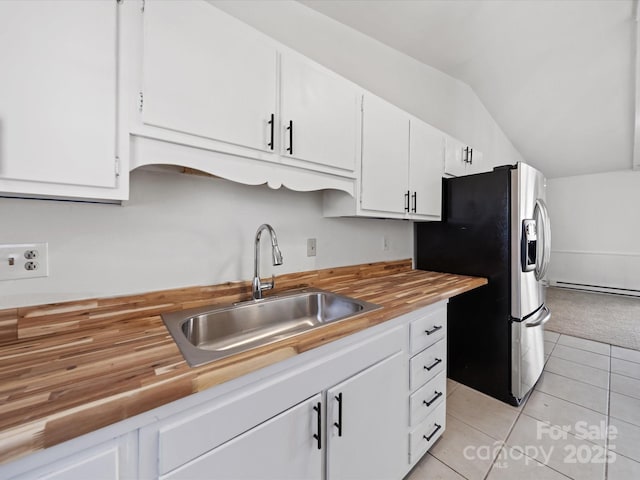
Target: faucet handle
{"x":267,"y":285}
{"x":271,"y":284}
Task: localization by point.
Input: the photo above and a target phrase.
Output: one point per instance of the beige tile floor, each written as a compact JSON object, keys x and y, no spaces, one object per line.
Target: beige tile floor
{"x":582,"y":421}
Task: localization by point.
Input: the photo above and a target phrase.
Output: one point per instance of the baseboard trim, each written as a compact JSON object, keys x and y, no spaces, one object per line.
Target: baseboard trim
{"x":628,"y":292}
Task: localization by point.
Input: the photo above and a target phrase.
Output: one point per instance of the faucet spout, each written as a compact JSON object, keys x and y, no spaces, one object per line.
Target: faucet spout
{"x":259,"y":285}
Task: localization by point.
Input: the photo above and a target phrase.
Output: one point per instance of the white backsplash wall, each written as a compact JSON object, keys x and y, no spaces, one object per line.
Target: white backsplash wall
{"x":182,"y":230}
{"x":595,"y":237}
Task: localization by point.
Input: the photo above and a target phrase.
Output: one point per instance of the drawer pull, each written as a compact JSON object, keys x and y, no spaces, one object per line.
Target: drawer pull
{"x":290,"y":128}
{"x":429,"y":437}
{"x":429,"y":368}
{"x":270,"y":123}
{"x":433,"y":330}
{"x":435,"y":397}
{"x":338,"y":424}
{"x":318,"y":436}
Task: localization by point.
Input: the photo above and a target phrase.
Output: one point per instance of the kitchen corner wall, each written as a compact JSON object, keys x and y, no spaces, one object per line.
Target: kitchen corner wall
{"x":595,"y":229}
{"x":182,"y":230}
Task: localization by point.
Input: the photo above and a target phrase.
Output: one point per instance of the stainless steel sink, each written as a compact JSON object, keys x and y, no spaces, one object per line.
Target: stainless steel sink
{"x":206,"y":334}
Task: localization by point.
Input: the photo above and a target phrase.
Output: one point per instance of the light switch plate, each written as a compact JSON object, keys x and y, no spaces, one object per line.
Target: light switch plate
{"x":24,"y":260}
{"x":311,"y":247}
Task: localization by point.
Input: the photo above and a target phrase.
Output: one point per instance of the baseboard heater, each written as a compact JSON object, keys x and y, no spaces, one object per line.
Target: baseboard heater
{"x":629,"y":292}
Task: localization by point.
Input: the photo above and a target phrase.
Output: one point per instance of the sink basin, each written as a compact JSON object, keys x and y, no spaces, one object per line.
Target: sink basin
{"x":206,"y":334}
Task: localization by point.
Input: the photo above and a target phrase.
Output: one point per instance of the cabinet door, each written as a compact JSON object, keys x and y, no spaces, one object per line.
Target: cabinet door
{"x":477,"y":164}
{"x":57,"y":94}
{"x":385,"y":156}
{"x":455,"y":157}
{"x":371,"y":441}
{"x":107,"y":461}
{"x":281,"y":448}
{"x":323,"y":110}
{"x":426,"y":165}
{"x":207,"y":74}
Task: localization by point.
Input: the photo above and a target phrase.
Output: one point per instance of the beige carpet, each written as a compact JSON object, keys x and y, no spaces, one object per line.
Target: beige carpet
{"x":601,"y":317}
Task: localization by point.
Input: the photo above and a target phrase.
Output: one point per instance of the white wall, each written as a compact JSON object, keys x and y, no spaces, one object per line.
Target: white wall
{"x":182,"y":230}
{"x":423,"y":91}
{"x":596,"y":229}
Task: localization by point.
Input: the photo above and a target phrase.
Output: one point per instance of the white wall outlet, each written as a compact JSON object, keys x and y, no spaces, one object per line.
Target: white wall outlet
{"x":25,"y":260}
{"x":311,"y":247}
{"x":385,"y":243}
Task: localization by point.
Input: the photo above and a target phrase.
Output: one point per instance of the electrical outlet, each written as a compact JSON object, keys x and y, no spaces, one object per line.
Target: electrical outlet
{"x":311,"y":247}
{"x":385,"y":243}
{"x":25,"y":260}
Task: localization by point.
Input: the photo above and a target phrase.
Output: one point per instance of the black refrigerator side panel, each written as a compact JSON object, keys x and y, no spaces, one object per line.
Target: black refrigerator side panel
{"x":473,"y":239}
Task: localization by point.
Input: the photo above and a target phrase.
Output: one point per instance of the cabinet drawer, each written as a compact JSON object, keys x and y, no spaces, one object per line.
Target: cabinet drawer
{"x":427,"y":364}
{"x":427,"y":399}
{"x":424,"y":435}
{"x":428,"y":330}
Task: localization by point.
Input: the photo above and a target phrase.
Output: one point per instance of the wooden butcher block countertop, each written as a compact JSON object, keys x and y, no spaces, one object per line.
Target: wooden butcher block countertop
{"x":71,"y":368}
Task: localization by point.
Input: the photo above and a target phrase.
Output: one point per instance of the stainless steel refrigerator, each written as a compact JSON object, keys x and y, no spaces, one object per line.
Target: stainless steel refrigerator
{"x":494,"y":225}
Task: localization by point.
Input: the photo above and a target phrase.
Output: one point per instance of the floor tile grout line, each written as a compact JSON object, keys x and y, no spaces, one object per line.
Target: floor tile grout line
{"x":626,"y":376}
{"x":573,"y":403}
{"x":627,"y":457}
{"x":581,"y":365}
{"x":505,"y":444}
{"x":576,"y":380}
{"x":553,"y":354}
{"x":549,"y":466}
{"x":471,"y":426}
{"x":627,"y":360}
{"x":584,"y":349}
{"x":447,"y":465}
{"x":628,"y":396}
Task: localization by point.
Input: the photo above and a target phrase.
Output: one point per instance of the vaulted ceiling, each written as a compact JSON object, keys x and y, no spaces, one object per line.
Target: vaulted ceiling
{"x":557,"y":76}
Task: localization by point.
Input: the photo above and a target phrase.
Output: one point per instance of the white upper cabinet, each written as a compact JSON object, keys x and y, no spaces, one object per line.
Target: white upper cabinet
{"x":401,"y":167}
{"x":219,"y":96}
{"x":58,"y":99}
{"x":385,"y":157}
{"x":204,"y":76}
{"x":461,"y":159}
{"x":320,"y":115}
{"x":426,"y":165}
{"x":456,"y":157}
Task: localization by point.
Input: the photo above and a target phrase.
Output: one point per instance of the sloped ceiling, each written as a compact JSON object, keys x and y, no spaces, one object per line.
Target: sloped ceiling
{"x":557,"y":76}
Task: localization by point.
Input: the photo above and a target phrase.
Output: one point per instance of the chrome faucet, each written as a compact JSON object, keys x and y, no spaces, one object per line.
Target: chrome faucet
{"x":259,"y":285}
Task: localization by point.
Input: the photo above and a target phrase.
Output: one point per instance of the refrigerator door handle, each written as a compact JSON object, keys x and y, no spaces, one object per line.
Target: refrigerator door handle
{"x":545,"y":229}
{"x":544,"y":317}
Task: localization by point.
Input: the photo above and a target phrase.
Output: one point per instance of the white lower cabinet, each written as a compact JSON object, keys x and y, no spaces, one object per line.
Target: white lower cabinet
{"x":366,"y":423}
{"x":359,"y":427}
{"x":426,"y":433}
{"x":427,"y":380}
{"x":283,"y":447}
{"x":111,"y":460}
